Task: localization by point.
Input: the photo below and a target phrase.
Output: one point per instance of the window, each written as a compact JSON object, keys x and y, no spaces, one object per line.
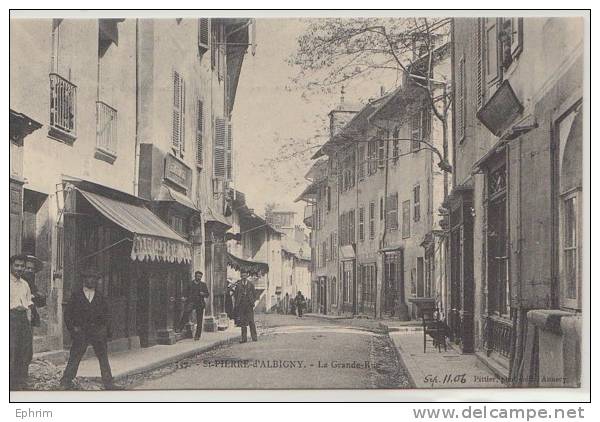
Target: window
{"x":361,"y":224}
{"x":372,"y":156}
{"x":569,"y":140}
{"x":362,"y":162}
{"x":63,"y":108}
{"x":381,"y":209}
{"x":218,"y":52}
{"x":106,"y":115}
{"x":460,"y":100}
{"x":220,"y":146}
{"x":351,"y":227}
{"x":381,"y":153}
{"x":178,"y":133}
{"x":392,"y":212}
{"x":511,"y":39}
{"x":199,"y":133}
{"x":406,"y":219}
{"x":417,"y":203}
{"x":396,"y":145}
{"x":177,"y":223}
{"x":570,"y":247}
{"x":328,"y":196}
{"x":323,"y":253}
{"x":106,"y":129}
{"x":371,"y":220}
{"x":420,"y":278}
{"x":416,"y":133}
{"x":491,"y":52}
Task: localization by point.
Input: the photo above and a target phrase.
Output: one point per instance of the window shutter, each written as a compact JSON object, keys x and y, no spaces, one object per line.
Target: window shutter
{"x":361,"y":224}
{"x":182,"y":114}
{"x":203,"y":35}
{"x":219,"y":150}
{"x":478,"y":64}
{"x":199,"y":132}
{"x":228,"y":152}
{"x":460,"y":99}
{"x":176,"y":136}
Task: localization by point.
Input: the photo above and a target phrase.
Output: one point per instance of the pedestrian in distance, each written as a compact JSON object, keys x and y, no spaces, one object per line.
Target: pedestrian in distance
{"x":194,"y":298}
{"x":300,"y":303}
{"x":20,"y":334}
{"x":245,"y":296}
{"x":292,"y":306}
{"x":87,"y":318}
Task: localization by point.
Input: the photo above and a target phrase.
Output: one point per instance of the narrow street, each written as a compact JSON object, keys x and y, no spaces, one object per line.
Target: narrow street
{"x":290,"y":353}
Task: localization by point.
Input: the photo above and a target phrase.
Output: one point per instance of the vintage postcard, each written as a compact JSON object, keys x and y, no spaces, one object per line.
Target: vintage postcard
{"x":216,"y":201}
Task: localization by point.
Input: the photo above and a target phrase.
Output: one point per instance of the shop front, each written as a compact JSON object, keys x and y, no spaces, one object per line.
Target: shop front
{"x":143,"y":262}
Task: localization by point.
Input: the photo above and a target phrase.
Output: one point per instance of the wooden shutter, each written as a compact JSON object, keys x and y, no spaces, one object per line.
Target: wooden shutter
{"x":460,"y":99}
{"x":203,"y":35}
{"x":478,"y":63}
{"x":176,"y":135}
{"x":361,"y":224}
{"x":228,"y":153}
{"x":219,"y":148}
{"x":199,"y":133}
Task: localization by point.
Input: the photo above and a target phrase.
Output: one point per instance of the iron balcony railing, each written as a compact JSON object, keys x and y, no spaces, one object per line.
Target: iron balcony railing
{"x":106,"y":127}
{"x":63,"y":105}
{"x":498,"y":334}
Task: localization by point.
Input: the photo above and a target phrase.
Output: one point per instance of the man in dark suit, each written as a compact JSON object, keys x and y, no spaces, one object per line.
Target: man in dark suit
{"x":194,"y":297}
{"x":245,"y":296}
{"x":88,"y":320}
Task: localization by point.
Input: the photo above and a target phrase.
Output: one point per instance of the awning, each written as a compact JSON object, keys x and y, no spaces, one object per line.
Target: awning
{"x":167,"y":194}
{"x":390,"y":249}
{"x":153,"y":239}
{"x":253,"y":267}
{"x":347,"y":253}
{"x":211,"y":216}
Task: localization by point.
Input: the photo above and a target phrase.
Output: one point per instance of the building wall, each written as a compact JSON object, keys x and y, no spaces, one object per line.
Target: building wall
{"x":46,"y":159}
{"x":553,"y":52}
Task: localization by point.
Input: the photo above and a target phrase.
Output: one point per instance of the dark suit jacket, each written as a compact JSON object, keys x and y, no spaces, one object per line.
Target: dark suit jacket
{"x":92,"y":317}
{"x":245,"y":296}
{"x":196,"y":293}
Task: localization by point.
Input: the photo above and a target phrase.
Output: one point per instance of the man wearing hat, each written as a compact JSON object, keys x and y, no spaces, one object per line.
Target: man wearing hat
{"x":88,"y":320}
{"x":195,"y":295}
{"x":21,"y":337}
{"x":245,"y":296}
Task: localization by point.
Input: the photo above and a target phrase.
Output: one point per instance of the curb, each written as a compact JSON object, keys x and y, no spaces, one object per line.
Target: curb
{"x":171,"y":359}
{"x":411,"y":379}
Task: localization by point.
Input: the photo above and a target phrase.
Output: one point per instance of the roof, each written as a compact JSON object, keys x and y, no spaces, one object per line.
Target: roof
{"x":309,"y":192}
{"x":355,"y":127}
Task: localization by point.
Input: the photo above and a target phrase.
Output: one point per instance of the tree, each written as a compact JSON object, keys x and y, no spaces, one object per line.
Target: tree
{"x":339,"y":50}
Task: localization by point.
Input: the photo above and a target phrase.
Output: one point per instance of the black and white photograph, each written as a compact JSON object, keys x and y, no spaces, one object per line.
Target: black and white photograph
{"x":385,"y":201}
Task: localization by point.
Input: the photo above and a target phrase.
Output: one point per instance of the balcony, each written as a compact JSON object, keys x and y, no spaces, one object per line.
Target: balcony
{"x":498,"y":334}
{"x":106,"y":132}
{"x":308,"y":216}
{"x":63,"y":109}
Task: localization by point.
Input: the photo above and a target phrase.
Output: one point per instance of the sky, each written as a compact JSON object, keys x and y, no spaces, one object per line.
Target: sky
{"x":270,"y":111}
